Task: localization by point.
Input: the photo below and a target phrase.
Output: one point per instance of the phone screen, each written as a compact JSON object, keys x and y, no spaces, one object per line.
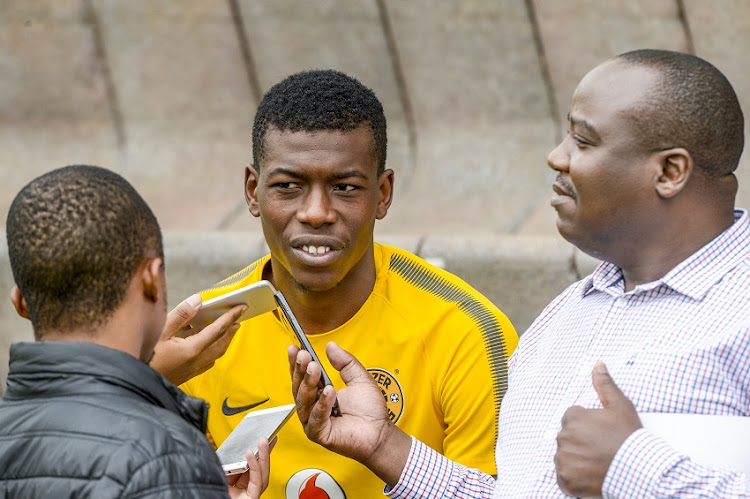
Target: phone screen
{"x":291,"y":322}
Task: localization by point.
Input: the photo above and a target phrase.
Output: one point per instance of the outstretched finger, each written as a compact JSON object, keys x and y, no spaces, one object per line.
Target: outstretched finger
{"x":264,"y":460}
{"x":255,"y":480}
{"x":291,"y":352}
{"x":307,"y":377}
{"x":299,"y":368}
{"x":319,"y":422}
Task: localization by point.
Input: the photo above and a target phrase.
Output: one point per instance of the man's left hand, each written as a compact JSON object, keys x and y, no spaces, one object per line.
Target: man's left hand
{"x":590,"y":438}
{"x":179,"y":357}
{"x":252,"y":483}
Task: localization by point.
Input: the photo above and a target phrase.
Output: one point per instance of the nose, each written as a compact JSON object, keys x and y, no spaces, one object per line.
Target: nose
{"x":317,"y":209}
{"x":559,"y":159}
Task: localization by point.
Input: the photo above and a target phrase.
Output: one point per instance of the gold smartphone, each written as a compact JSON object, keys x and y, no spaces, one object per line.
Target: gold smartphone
{"x":259,"y":298}
{"x":257,"y":424}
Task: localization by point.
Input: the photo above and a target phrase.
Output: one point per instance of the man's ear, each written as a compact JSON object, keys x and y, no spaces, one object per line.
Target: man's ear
{"x":385,"y":185}
{"x":251,"y":185}
{"x":19,"y":302}
{"x":150,"y":278}
{"x":675,"y":169}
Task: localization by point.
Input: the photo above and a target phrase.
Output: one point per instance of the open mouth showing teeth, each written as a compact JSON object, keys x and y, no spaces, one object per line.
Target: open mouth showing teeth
{"x":316,"y":250}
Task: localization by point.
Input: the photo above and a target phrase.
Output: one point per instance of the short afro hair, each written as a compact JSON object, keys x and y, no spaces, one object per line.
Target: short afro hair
{"x":692,"y":105}
{"x":76,"y":236}
{"x":317,"y":100}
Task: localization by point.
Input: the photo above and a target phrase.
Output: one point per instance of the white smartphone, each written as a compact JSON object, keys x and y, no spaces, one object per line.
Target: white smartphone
{"x":259,"y":298}
{"x":257,"y":424}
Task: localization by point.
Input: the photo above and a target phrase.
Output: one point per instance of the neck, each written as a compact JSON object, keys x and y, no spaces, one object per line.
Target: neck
{"x":127,"y":329}
{"x":108,"y":335}
{"x":672,"y":243}
{"x":99,"y":336}
{"x":322,"y":311}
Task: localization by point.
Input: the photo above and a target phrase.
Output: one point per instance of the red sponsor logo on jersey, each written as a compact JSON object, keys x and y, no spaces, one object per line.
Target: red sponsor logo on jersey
{"x":391,"y":390}
{"x":309,"y":490}
{"x":313,"y":483}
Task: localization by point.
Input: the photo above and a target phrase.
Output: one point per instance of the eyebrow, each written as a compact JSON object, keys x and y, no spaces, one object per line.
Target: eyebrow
{"x":283,"y":171}
{"x":582,"y":124}
{"x":298,"y":174}
{"x":350,"y":174}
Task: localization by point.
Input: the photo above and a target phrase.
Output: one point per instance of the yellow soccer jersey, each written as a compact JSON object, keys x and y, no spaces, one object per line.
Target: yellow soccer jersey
{"x":435,"y":346}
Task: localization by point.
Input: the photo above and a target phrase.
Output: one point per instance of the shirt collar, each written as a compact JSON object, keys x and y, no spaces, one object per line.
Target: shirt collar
{"x":695,"y":275}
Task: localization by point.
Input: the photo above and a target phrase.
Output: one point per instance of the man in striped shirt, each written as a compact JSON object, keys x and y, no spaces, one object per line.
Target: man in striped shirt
{"x":646,"y":184}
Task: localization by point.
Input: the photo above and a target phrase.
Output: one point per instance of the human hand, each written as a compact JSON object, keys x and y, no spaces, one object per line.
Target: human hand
{"x":590,"y":438}
{"x":254,"y":481}
{"x":180,"y":357}
{"x":363,"y":431}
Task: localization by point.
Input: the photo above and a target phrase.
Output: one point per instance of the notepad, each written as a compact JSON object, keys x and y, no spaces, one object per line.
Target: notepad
{"x":715,"y":441}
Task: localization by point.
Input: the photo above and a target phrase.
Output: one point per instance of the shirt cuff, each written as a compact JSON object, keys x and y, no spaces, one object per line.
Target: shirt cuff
{"x":426,"y":472}
{"x":639,"y":464}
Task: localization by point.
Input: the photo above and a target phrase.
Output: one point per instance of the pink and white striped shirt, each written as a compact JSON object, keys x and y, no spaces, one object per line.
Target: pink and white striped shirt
{"x":680,"y":344}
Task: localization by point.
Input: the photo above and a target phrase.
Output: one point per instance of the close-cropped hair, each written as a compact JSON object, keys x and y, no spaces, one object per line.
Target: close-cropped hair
{"x":76,"y":236}
{"x":693,"y":106}
{"x":320,"y":100}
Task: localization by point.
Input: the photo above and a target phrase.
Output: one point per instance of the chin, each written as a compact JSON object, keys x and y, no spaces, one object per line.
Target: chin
{"x":316,"y":285}
{"x":589,"y":246}
{"x":568,"y":232}
{"x":563,"y":228}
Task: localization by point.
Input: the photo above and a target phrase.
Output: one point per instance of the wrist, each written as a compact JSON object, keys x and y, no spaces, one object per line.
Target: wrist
{"x":389,"y":457}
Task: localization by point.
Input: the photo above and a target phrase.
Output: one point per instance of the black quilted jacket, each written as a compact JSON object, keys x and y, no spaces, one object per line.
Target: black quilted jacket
{"x":81,"y":420}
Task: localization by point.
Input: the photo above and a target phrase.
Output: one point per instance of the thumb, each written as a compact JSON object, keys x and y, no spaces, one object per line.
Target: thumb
{"x":350,"y":368}
{"x":609,"y":393}
{"x":182,"y":313}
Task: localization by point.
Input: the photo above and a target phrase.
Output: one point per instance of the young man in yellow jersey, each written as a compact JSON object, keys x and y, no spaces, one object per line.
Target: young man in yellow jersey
{"x":435,"y":346}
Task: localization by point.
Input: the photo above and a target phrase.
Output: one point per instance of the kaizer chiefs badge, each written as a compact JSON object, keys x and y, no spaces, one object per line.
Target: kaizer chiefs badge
{"x":391,"y":390}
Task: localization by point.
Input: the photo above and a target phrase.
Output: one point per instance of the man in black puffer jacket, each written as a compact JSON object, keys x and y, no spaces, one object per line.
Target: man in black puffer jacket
{"x":83,"y":414}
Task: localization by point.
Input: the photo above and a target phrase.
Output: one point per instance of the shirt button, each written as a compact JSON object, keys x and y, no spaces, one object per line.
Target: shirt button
{"x":585,"y":369}
{"x":550,"y":434}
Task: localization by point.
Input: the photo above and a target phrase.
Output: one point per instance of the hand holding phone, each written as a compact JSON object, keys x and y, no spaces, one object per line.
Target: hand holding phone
{"x":291,"y":321}
{"x":259,"y":298}
{"x":263,"y":423}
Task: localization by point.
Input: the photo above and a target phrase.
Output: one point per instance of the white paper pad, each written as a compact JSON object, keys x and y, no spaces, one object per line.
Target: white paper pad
{"x":716,"y":441}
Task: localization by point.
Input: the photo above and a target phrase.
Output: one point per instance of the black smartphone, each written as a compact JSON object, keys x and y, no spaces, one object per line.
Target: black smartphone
{"x":291,"y":321}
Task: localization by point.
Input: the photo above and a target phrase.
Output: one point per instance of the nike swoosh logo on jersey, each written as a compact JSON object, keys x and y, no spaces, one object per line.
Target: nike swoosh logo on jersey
{"x":231,"y":411}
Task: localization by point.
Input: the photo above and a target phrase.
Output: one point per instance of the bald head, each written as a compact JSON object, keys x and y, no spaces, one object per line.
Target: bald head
{"x":691,"y":105}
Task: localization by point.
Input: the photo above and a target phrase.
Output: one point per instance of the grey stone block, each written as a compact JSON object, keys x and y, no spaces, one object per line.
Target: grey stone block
{"x":721,"y":34}
{"x":186,"y":103}
{"x":483,"y":128}
{"x":53,"y":103}
{"x":196,"y":260}
{"x":580,"y":34}
{"x":584,"y":264}
{"x":519,"y":274}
